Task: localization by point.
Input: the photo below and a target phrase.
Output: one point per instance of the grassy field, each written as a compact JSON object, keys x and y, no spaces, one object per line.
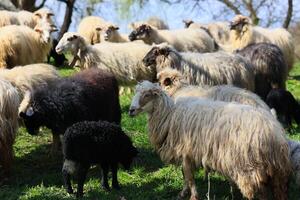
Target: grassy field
{"x":37,"y":175}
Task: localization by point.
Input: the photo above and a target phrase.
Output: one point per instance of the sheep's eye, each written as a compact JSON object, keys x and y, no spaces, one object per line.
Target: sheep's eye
{"x":70,"y":39}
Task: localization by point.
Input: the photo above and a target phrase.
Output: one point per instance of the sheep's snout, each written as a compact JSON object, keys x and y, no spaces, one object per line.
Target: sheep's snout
{"x":132,"y":111}
{"x":58,"y":50}
{"x":132,"y":36}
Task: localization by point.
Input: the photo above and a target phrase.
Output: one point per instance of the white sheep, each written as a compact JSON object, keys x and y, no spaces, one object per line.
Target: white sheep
{"x":29,"y":77}
{"x":244,"y":33}
{"x":9,"y":102}
{"x":218,"y":30}
{"x":295,"y":159}
{"x":217,"y":68}
{"x":195,"y":40}
{"x":124,"y":60}
{"x":241,"y":142}
{"x":173,"y":82}
{"x":111,"y":34}
{"x":90,"y":28}
{"x":152,"y":21}
{"x":26,"y":18}
{"x":21,"y":45}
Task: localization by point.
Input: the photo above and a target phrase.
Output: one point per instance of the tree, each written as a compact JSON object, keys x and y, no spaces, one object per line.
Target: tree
{"x":67,"y":18}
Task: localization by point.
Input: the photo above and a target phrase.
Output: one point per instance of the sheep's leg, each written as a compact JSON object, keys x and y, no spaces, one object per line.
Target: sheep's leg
{"x":188,"y":170}
{"x":6,"y":157}
{"x":82,"y":171}
{"x":56,"y":143}
{"x":114,"y":170}
{"x":186,"y":189}
{"x":67,"y":181}
{"x":104,"y":179}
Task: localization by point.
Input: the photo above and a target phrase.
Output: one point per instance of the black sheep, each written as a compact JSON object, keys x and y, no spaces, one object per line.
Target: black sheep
{"x":270,"y":68}
{"x":59,"y":59}
{"x":286,"y":106}
{"x":87,"y":143}
{"x":89,"y":95}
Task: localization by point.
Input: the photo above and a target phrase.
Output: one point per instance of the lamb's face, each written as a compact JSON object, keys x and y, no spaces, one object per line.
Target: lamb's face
{"x":31,"y":119}
{"x":45,"y":29}
{"x":43,"y":14}
{"x":145,"y":93}
{"x":142,"y":32}
{"x":109,"y":32}
{"x":152,"y":56}
{"x":67,"y":43}
{"x":239,"y":22}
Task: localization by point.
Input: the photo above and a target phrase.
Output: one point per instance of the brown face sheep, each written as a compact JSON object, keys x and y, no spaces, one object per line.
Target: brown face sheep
{"x":244,"y":33}
{"x":243,"y":143}
{"x":111,"y":34}
{"x":21,"y":45}
{"x":9,"y":102}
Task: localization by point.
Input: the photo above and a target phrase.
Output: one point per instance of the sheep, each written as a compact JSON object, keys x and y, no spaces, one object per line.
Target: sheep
{"x":243,"y":33}
{"x":59,"y":59}
{"x":295,"y":159}
{"x":25,"y":18}
{"x":124,"y":60}
{"x":9,"y":101}
{"x":29,"y":77}
{"x":182,"y":40}
{"x":174,"y":84}
{"x":89,"y":95}
{"x":219,"y":31}
{"x":285,"y":105}
{"x":89,"y":142}
{"x":269,"y":67}
{"x":243,"y":143}
{"x":20,"y":45}
{"x":90,"y":28}
{"x":217,"y":68}
{"x":111,"y":34}
{"x":152,"y":21}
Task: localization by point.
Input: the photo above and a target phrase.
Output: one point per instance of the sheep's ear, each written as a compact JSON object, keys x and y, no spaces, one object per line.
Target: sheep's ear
{"x":115,"y":27}
{"x":131,"y":25}
{"x":29,"y":111}
{"x":98,"y":29}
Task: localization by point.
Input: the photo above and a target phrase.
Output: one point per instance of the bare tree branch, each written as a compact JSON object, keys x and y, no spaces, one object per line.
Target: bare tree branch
{"x":230,"y":5}
{"x":68,"y":17}
{"x":253,"y":13}
{"x":289,"y":14}
{"x":41,"y":5}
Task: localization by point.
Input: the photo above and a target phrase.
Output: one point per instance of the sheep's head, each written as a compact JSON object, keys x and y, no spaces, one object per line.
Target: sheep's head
{"x":43,"y":14}
{"x":170,"y":80}
{"x":140,"y":33}
{"x":160,"y":50}
{"x":69,"y":42}
{"x":145,"y":93}
{"x":187,"y":22}
{"x":238,"y":22}
{"x":45,"y":29}
{"x":109,"y":32}
{"x":129,"y":152}
{"x":28,"y":111}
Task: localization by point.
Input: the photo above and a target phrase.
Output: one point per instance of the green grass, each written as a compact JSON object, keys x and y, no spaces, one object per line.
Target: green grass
{"x":36,"y":174}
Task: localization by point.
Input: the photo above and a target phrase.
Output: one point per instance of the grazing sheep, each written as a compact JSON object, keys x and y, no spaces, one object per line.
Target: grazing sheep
{"x":25,"y":18}
{"x":219,"y":31}
{"x":90,"y":28}
{"x":87,"y":143}
{"x":111,"y":34}
{"x":173,"y":82}
{"x":182,"y":40}
{"x":124,"y":60}
{"x":29,"y":77}
{"x":243,"y":33}
{"x":218,"y":68}
{"x":152,"y":21}
{"x":21,"y":45}
{"x":295,"y":159}
{"x":285,"y":105}
{"x":269,"y":67}
{"x":89,"y":95}
{"x":59,"y":59}
{"x":243,"y":143}
{"x":9,"y":102}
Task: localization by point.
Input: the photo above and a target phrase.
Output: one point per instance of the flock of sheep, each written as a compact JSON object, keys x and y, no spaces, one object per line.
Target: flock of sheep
{"x":220,"y":103}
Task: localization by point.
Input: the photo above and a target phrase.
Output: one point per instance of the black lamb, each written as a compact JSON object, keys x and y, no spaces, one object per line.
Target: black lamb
{"x":270,"y":68}
{"x":286,"y":106}
{"x":92,"y":94}
{"x":87,"y":143}
{"x":59,"y":59}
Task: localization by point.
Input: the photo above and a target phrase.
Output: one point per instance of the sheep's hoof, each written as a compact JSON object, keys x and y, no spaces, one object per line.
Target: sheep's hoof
{"x":70,"y":191}
{"x":184,"y":193}
{"x":79,"y":195}
{"x":194,"y":198}
{"x":105,"y":187}
{"x":116,"y":186}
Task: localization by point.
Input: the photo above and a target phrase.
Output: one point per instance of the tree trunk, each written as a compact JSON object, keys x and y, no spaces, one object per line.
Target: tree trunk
{"x":289,"y":15}
{"x":68,"y":17}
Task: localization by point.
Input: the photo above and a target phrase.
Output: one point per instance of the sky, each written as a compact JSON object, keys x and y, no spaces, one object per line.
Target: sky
{"x":172,"y":14}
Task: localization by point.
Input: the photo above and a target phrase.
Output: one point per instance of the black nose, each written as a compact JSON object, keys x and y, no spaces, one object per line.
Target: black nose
{"x":131,"y":112}
{"x":131,"y":36}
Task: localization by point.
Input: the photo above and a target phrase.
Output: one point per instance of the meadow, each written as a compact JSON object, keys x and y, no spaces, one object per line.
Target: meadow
{"x":37,"y":174}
